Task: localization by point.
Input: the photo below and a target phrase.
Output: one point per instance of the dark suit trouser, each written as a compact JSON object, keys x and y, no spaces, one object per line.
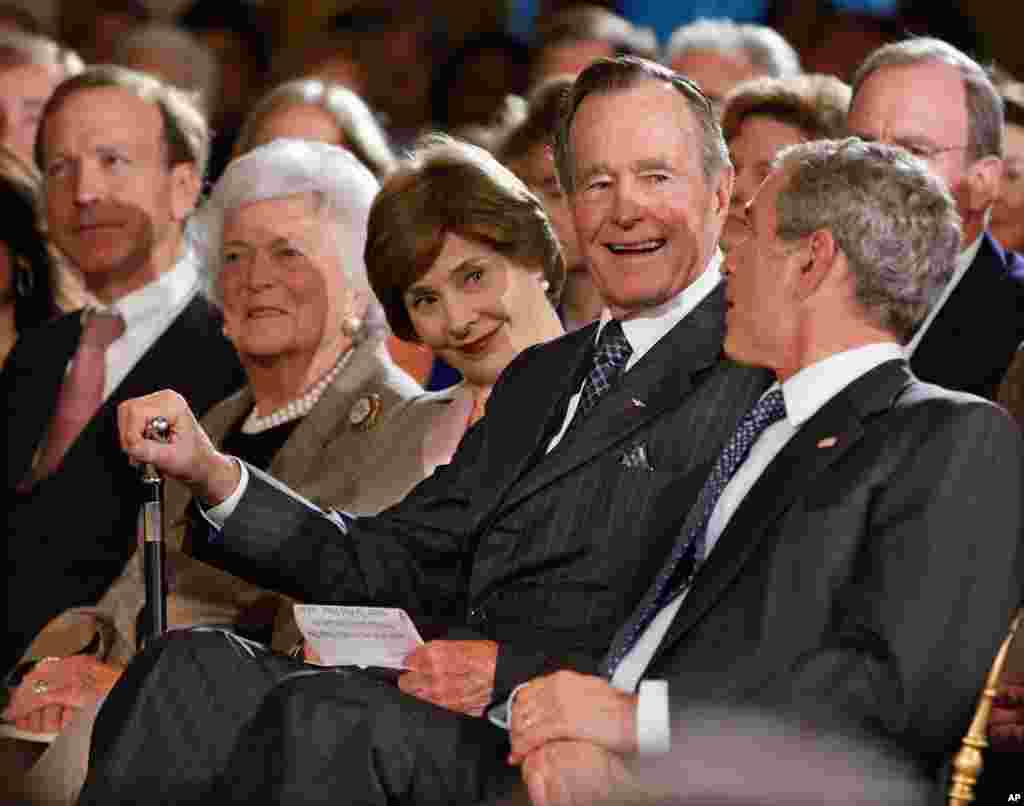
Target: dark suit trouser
{"x":205,"y":717}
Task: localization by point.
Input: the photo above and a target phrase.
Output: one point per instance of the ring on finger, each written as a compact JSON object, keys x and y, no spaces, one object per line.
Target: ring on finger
{"x":40,"y":687}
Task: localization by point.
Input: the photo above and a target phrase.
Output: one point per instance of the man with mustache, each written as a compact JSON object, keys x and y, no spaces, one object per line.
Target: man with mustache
{"x":123,"y":158}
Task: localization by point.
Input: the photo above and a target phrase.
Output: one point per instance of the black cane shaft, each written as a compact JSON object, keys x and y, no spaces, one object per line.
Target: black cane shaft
{"x":153,"y":557}
{"x":156,"y":593}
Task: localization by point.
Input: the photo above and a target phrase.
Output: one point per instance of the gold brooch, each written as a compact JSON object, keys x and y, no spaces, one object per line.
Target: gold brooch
{"x":365,"y":412}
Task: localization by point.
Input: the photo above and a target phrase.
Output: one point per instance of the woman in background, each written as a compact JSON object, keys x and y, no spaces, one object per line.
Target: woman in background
{"x":311,"y":109}
{"x":34,"y":284}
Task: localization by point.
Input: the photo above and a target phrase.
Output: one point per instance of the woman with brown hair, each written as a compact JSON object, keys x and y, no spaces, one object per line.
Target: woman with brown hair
{"x":464,"y":259}
{"x":34,"y":283}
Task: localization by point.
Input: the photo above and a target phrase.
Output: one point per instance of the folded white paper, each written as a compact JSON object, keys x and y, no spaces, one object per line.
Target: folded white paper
{"x":358,"y":636}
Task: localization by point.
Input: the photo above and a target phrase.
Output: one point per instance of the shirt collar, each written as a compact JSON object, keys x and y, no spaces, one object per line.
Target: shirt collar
{"x":812,"y":387}
{"x":165,"y":293}
{"x":965,"y":258}
{"x":644,"y":331}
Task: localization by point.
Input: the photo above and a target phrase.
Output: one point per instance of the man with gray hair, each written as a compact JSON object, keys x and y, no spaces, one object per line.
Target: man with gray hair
{"x":719,"y":54}
{"x":31,"y":67}
{"x":939,"y":104}
{"x":833,"y":567}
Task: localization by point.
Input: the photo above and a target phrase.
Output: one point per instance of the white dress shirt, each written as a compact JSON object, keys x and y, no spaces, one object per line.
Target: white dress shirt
{"x":805,"y":393}
{"x":147,"y":313}
{"x":642,"y":332}
{"x":960,"y":266}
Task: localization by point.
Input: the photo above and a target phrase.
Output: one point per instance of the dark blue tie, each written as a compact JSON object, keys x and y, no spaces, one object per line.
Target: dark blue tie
{"x":610,"y":357}
{"x":677,"y":571}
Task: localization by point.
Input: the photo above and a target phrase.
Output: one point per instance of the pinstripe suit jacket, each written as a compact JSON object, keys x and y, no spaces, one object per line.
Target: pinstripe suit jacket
{"x":545,"y":553}
{"x":872,"y":569}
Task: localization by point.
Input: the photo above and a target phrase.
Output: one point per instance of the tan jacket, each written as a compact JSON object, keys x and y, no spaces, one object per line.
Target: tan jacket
{"x":332,"y":458}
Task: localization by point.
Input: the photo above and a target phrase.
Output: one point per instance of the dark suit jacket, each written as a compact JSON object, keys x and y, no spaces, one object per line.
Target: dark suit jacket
{"x":69,"y":538}
{"x":546,"y":554}
{"x":876,"y":574}
{"x":974,"y":336}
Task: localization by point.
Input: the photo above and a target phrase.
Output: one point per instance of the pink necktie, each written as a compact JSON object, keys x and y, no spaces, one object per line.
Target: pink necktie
{"x":82,"y":391}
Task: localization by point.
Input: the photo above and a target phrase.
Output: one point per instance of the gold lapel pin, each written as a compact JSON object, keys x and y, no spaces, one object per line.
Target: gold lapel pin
{"x":365,"y":412}
{"x":828,"y":442}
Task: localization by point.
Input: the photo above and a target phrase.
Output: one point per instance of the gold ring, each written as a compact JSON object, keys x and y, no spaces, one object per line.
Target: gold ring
{"x":40,"y":687}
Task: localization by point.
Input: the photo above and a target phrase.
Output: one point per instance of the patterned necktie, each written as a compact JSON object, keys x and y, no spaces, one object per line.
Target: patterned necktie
{"x":82,"y":391}
{"x":610,"y":357}
{"x":677,"y":571}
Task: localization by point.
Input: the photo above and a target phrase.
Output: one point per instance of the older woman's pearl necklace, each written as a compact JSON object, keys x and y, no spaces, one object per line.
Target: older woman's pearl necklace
{"x":297,"y":408}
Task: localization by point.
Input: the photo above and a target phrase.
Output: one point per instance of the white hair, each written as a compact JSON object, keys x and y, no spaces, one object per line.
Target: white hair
{"x":343,"y":186}
{"x":767,"y":50}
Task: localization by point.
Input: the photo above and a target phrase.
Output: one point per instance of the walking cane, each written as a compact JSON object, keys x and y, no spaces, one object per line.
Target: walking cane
{"x":155,"y":621}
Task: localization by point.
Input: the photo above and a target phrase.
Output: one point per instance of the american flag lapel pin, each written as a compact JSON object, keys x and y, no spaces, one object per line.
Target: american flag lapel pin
{"x":828,"y":442}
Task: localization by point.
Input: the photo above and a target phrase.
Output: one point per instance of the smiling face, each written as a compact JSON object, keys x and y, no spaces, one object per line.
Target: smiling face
{"x":761,"y":290}
{"x":282,"y":288}
{"x":752,"y":150}
{"x":647,"y":219}
{"x":113,"y":204}
{"x":1008,"y":211}
{"x":477,"y":309}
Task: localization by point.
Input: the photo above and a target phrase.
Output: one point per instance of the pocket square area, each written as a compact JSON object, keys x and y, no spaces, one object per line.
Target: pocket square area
{"x":636,"y":458}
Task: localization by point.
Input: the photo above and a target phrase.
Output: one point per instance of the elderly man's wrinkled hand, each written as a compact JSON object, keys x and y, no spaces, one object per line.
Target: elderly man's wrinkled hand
{"x":457,"y":675}
{"x":189,"y":456}
{"x":571,"y":706}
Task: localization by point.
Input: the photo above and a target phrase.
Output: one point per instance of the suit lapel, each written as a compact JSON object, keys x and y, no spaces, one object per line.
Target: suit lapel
{"x":820,"y":442}
{"x":554,"y":373}
{"x":32,"y":395}
{"x":659,"y":381}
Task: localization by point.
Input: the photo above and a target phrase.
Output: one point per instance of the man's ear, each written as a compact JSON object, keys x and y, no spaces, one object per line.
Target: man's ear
{"x":185,"y":187}
{"x":822,"y":261}
{"x":982,"y":183}
{"x":723,"y":193}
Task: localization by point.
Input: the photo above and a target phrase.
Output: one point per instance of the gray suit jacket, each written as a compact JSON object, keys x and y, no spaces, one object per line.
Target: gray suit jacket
{"x":326,"y":458}
{"x":545,"y":553}
{"x":871,"y":570}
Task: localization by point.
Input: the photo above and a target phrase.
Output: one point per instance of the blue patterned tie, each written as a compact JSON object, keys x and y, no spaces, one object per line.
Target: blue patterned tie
{"x":677,"y":571}
{"x":610,"y":357}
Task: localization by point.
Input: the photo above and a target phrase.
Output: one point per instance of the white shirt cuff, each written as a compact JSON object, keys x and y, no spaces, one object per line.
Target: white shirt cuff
{"x":653,"y":729}
{"x":218,"y":515}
